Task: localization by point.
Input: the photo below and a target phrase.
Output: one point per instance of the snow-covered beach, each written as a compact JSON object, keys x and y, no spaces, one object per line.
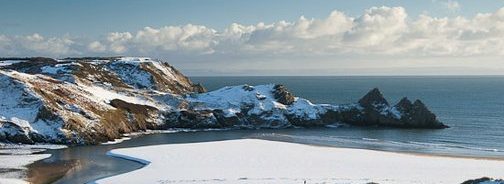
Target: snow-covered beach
{"x":15,"y":158}
{"x":262,"y":161}
{"x":16,"y":164}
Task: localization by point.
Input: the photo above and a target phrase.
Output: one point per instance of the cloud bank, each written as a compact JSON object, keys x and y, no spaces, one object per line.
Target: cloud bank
{"x":379,"y":31}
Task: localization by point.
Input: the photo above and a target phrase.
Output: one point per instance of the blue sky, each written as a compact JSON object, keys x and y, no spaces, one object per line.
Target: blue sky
{"x":262,"y":37}
{"x":97,"y":17}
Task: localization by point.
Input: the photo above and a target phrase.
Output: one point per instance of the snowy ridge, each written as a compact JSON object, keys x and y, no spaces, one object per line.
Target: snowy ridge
{"x":257,"y":100}
{"x":83,"y":100}
{"x":95,"y":100}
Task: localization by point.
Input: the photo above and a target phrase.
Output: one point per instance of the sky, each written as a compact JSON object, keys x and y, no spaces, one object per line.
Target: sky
{"x":264,"y":37}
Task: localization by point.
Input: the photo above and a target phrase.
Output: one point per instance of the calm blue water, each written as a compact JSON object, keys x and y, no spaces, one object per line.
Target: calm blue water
{"x":472,"y":106}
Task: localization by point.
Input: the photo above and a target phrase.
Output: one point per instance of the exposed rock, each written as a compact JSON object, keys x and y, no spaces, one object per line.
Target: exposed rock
{"x":198,"y":88}
{"x":404,"y":105}
{"x":31,"y":65}
{"x":417,"y":115}
{"x":373,"y":98}
{"x":282,"y":95}
{"x":484,"y":180}
{"x":93,"y":100}
{"x":377,"y":111}
{"x":140,"y":117}
{"x":11,"y":132}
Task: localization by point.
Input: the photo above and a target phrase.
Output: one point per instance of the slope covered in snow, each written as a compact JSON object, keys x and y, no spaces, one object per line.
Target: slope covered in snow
{"x":92,"y":100}
{"x":82,"y":100}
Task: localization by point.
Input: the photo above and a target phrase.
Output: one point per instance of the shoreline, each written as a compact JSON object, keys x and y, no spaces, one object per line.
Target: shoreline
{"x":123,"y":154}
{"x":314,"y":145}
{"x":16,"y":167}
{"x":404,"y":152}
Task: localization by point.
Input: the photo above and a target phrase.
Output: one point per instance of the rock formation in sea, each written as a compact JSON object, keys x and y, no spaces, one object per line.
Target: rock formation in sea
{"x":484,"y":180}
{"x":93,"y":100}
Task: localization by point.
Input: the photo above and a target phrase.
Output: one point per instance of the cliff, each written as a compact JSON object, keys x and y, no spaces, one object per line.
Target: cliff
{"x":92,"y":100}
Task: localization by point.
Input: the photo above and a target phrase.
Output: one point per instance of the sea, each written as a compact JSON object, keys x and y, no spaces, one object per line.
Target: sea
{"x":473,"y":107}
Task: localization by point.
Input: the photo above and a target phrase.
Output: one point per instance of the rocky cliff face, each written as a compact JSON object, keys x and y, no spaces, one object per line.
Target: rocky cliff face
{"x":92,"y":100}
{"x":84,"y":100}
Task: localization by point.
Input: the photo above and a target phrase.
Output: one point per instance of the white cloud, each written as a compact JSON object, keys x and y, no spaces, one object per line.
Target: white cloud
{"x":97,"y":46}
{"x":378,"y":26}
{"x":118,"y":41}
{"x":51,"y":46}
{"x":4,"y":41}
{"x":451,"y":5}
{"x":379,"y":31}
{"x":188,"y":37}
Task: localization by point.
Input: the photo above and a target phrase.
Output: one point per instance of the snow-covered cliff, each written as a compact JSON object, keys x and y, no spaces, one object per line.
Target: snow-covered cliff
{"x":92,"y":100}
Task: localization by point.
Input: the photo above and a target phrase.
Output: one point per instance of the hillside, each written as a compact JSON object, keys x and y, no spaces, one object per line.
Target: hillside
{"x":92,"y":100}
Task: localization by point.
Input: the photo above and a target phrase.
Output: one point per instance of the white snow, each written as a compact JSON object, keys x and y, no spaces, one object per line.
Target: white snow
{"x":116,"y":141}
{"x":167,"y":71}
{"x":17,"y":162}
{"x":58,"y":68}
{"x":232,"y":99}
{"x":261,"y":161}
{"x":129,"y":71}
{"x":391,"y":111}
{"x":135,"y":59}
{"x":10,"y":62}
{"x":103,"y":95}
{"x":304,"y":108}
{"x":18,"y":105}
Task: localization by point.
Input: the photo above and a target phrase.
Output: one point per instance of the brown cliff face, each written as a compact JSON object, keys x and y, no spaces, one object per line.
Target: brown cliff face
{"x":283,"y":95}
{"x":73,"y":101}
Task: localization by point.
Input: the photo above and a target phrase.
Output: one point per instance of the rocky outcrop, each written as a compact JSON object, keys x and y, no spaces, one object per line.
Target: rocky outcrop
{"x":377,"y":111}
{"x":92,"y":100}
{"x":263,"y":106}
{"x":484,"y":180}
{"x":373,"y":98}
{"x":85,"y":100}
{"x":282,"y":95}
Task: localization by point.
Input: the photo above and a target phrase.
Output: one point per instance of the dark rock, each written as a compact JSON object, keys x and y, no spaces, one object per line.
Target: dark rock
{"x":404,"y":105}
{"x":374,"y":105}
{"x":20,"y":138}
{"x":132,"y":108}
{"x":36,"y":137}
{"x":483,"y":180}
{"x":138,"y":116}
{"x":377,"y":112}
{"x":32,"y":65}
{"x":223,"y":120}
{"x":373,"y":98}
{"x":196,"y":119}
{"x":417,"y":115}
{"x":282,"y":95}
{"x":248,"y":88}
{"x":14,"y":133}
{"x":198,"y":88}
{"x":46,"y":114}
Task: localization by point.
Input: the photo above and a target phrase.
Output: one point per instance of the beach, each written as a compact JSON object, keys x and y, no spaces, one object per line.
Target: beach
{"x":262,"y":161}
{"x":14,"y":169}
